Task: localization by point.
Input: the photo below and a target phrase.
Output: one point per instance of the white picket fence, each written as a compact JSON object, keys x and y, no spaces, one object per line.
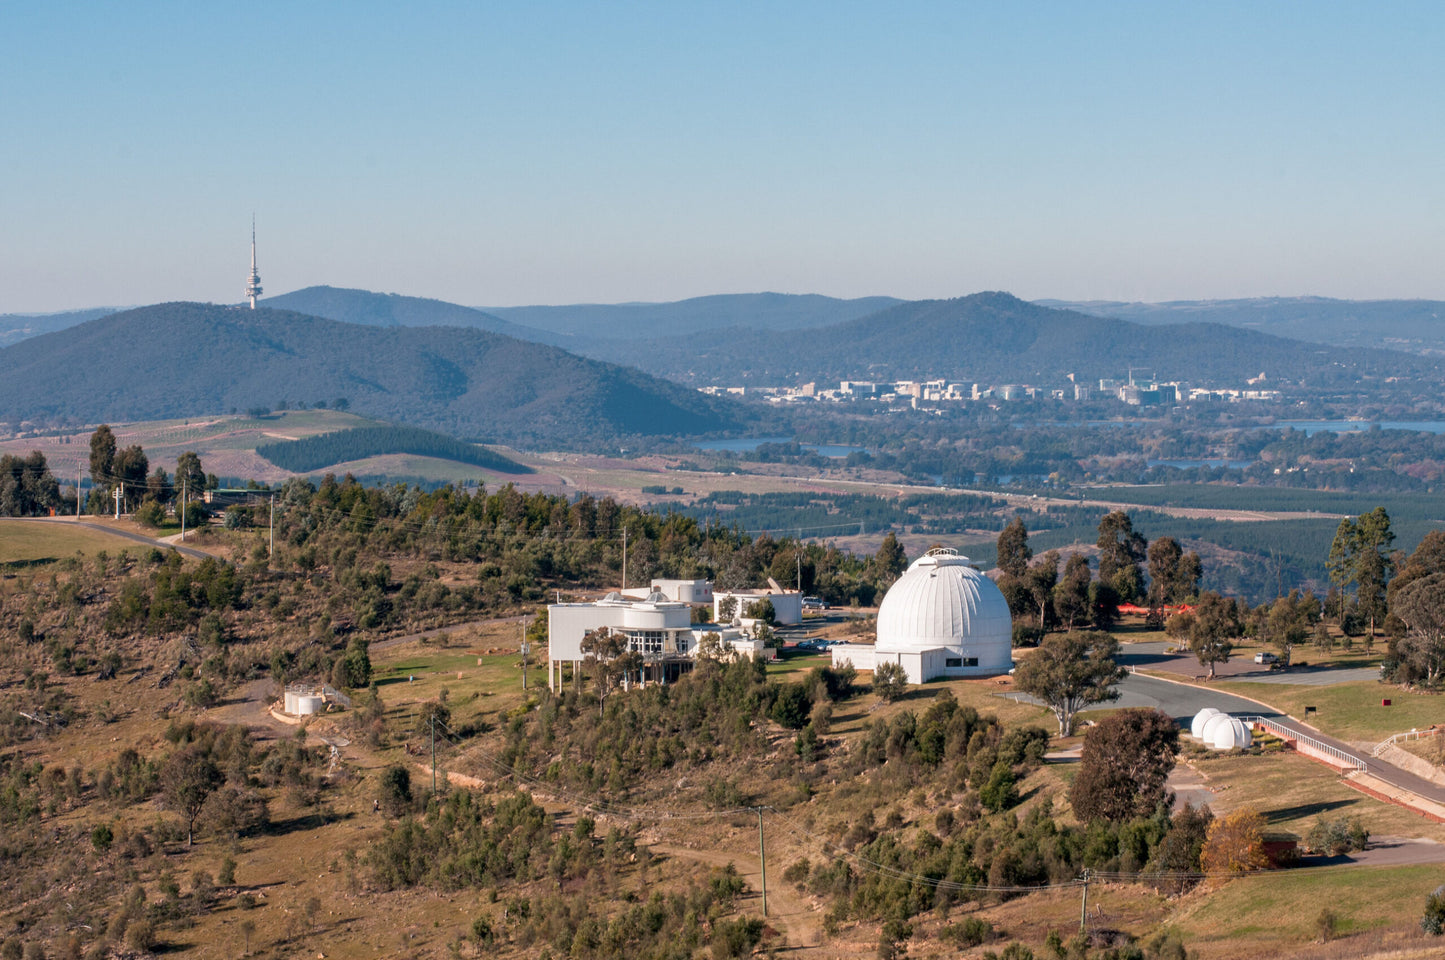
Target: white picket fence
{"x":1289,"y":733}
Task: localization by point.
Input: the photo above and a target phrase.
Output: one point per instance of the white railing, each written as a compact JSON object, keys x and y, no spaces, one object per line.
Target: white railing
{"x":1289,"y":733}
{"x":1401,"y":737}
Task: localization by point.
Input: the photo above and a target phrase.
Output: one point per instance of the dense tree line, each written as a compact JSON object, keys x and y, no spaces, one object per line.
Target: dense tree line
{"x":27,"y":488}
{"x":358,"y":443}
{"x":143,"y":491}
{"x":1042,"y":597}
{"x":522,"y":543}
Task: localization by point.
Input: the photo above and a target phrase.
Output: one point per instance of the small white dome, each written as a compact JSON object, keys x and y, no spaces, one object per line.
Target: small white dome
{"x":1224,"y":732}
{"x":943,"y":602}
{"x":1196,"y":726}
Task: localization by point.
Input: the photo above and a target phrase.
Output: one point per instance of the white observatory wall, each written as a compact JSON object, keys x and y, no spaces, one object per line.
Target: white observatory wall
{"x":568,"y":623}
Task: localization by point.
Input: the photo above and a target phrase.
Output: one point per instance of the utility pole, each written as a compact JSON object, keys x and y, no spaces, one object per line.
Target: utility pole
{"x":77,"y":492}
{"x":524,"y":653}
{"x":272,"y":556}
{"x":763,"y":860}
{"x":117,"y":500}
{"x":183,"y":508}
{"x":624,"y":558}
{"x":1084,"y":907}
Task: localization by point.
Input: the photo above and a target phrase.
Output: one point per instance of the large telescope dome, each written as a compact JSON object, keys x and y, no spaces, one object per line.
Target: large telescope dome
{"x":943,"y":602}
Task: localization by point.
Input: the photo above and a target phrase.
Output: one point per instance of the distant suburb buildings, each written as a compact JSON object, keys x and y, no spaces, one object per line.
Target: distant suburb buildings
{"x":1134,"y":391}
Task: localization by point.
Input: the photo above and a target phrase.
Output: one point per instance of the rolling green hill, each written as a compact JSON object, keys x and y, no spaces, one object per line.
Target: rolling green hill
{"x":179,"y":358}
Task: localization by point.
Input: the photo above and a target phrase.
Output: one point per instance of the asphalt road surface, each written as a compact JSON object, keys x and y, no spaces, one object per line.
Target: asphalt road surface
{"x":1182,"y":701}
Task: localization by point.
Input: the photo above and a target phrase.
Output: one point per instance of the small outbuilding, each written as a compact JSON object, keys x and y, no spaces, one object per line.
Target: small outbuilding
{"x":1196,"y":726}
{"x":1223,"y":732}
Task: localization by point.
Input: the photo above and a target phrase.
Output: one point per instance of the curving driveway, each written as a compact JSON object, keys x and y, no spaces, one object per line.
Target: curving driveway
{"x":1183,"y":700}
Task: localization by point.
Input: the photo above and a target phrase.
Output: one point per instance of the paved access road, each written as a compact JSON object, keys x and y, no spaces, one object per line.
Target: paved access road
{"x":1156,"y":656}
{"x":1183,"y":700}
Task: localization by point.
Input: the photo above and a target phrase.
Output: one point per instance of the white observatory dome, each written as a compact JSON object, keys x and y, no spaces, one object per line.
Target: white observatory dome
{"x":1196,"y":726}
{"x":945,"y":608}
{"x":1224,"y":732}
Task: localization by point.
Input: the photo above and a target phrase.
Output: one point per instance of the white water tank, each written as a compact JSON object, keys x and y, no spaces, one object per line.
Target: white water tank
{"x":309,"y":703}
{"x":1196,"y":726}
{"x":1224,"y":732}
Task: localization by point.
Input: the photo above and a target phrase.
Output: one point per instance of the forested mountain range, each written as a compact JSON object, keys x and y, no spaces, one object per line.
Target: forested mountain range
{"x":644,"y":321}
{"x":1416,"y":326}
{"x":998,"y":338}
{"x":394,"y":310}
{"x":612,"y":331}
{"x":181,"y":359}
{"x":15,"y":327}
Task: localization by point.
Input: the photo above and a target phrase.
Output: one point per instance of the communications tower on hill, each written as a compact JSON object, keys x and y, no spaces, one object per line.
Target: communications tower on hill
{"x":253,"y":285}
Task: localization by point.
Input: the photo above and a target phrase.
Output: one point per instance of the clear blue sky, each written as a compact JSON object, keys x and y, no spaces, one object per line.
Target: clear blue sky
{"x":551,"y":153}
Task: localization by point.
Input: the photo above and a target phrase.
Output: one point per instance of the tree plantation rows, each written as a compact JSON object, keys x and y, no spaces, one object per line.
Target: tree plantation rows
{"x":358,"y":443}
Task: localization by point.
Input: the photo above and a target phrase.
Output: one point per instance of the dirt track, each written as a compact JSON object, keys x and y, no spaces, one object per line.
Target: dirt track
{"x":794,"y":916}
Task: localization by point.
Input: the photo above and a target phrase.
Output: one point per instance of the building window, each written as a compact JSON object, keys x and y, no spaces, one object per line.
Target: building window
{"x":953,"y":662}
{"x":645,"y":641}
{"x":970,"y":661}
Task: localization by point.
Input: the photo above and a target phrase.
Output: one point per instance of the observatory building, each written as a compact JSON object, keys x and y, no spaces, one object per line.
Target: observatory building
{"x":942,"y":618}
{"x":659,"y":629}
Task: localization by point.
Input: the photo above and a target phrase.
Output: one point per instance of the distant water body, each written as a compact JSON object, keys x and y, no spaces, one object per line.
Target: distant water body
{"x":1191,"y":464}
{"x":1312,"y":427}
{"x":749,"y":444}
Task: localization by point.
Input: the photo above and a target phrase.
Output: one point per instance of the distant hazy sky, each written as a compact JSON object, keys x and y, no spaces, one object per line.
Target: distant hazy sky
{"x":507,"y":153}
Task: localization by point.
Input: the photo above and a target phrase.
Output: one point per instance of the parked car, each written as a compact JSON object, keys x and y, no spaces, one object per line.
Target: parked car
{"x":815,"y":603}
{"x":1264,"y":656}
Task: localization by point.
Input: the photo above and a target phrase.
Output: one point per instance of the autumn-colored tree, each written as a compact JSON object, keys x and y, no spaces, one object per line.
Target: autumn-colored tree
{"x":1235,"y":844}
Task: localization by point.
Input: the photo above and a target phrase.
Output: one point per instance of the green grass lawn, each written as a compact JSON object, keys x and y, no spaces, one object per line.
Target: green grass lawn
{"x":24,"y":542}
{"x":1277,"y":908}
{"x":1292,"y":792}
{"x":1350,"y":711}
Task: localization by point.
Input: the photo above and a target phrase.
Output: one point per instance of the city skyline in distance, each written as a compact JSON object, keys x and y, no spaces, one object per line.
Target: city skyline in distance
{"x":572,"y":154}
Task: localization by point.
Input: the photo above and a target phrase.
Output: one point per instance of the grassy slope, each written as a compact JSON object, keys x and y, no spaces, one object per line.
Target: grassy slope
{"x":480,"y":671}
{"x":1350,"y":711}
{"x":25,"y":542}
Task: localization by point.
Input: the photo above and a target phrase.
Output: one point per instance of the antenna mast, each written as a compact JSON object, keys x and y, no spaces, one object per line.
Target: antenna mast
{"x":253,"y":284}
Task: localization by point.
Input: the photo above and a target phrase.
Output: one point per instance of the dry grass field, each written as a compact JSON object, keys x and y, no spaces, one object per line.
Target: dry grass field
{"x":302,"y":886}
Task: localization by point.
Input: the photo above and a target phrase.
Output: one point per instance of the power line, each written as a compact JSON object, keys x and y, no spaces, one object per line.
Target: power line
{"x":656,"y":814}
